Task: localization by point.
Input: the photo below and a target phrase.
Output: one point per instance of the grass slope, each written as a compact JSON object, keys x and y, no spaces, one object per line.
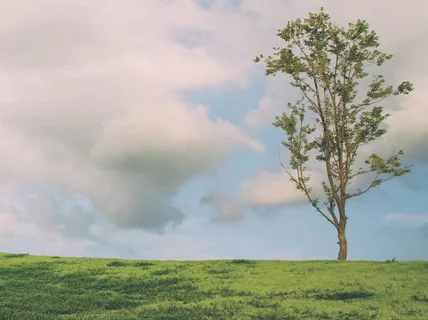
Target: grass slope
{"x":34,"y":287}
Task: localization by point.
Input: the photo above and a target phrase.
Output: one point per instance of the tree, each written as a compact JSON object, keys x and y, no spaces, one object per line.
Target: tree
{"x":327,"y":64}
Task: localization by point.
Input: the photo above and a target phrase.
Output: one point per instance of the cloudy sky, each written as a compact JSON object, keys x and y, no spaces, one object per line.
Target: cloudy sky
{"x":142,"y":129}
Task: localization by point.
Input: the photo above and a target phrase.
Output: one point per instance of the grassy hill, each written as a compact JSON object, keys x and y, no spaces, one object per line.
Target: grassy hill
{"x":34,"y":287}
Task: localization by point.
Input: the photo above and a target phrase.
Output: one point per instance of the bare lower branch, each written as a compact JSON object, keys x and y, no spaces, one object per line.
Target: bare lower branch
{"x":312,"y":201}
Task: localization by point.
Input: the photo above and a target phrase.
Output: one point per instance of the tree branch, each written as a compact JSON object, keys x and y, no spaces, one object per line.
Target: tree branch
{"x":312,"y":201}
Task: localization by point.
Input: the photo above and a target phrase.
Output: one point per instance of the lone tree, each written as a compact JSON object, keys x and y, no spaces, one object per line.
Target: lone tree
{"x":326,"y":64}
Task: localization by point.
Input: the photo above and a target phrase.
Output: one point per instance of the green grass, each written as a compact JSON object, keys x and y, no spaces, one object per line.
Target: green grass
{"x":33,"y":287}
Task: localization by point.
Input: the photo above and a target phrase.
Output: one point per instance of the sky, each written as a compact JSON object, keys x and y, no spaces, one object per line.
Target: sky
{"x":143,"y":130}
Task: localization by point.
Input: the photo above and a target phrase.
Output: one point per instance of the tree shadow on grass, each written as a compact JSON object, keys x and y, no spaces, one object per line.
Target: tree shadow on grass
{"x":420,"y":298}
{"x":15,"y":255}
{"x":344,"y":295}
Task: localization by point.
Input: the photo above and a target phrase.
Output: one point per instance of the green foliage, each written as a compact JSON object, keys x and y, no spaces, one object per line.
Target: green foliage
{"x":328,"y":64}
{"x":43,"y":288}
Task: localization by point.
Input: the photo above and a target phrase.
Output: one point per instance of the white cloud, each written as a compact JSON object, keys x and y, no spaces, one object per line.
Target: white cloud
{"x":408,"y":126}
{"x":267,"y":191}
{"x":269,"y":188}
{"x":272,"y":104}
{"x":92,"y":103}
{"x":265,"y":113}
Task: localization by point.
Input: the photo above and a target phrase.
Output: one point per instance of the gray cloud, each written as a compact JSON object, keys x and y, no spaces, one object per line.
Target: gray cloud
{"x":227,"y":209}
{"x":56,"y":215}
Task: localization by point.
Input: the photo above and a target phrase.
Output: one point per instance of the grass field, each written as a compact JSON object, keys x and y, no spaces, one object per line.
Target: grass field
{"x":34,"y":287}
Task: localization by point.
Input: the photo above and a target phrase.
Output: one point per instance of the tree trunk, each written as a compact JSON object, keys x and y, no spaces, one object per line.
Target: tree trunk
{"x":343,"y":245}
